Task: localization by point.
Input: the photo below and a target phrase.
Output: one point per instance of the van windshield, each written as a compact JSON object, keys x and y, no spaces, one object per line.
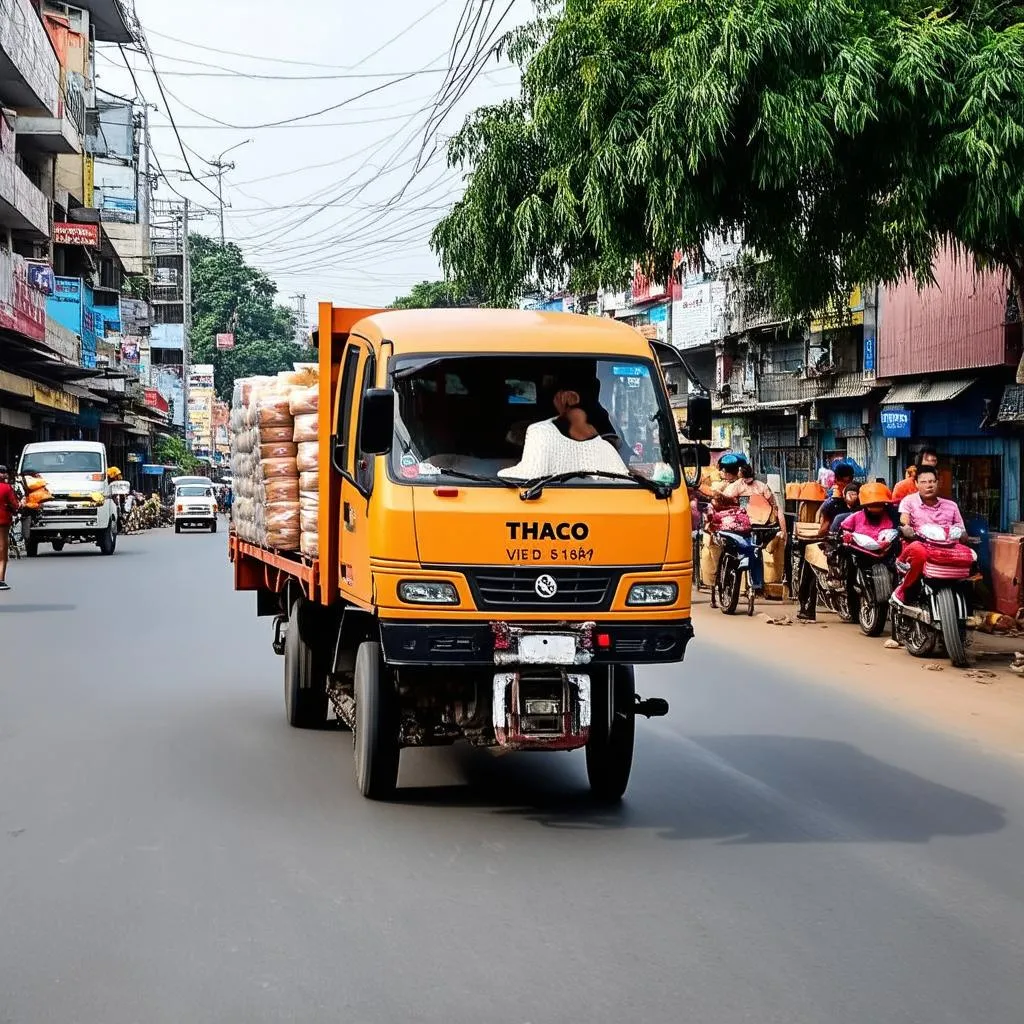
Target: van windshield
{"x":521,"y":417}
{"x":194,"y":491}
{"x":62,"y":462}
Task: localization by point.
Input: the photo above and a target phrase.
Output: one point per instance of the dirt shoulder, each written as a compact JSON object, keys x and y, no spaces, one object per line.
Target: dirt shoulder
{"x":983,"y":704}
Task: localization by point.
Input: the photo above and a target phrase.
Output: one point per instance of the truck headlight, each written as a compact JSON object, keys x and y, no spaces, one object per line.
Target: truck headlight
{"x":427,"y":592}
{"x":652,"y":593}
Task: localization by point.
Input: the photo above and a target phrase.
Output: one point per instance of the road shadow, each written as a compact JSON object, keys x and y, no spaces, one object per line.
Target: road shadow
{"x":732,"y":789}
{"x":16,"y":609}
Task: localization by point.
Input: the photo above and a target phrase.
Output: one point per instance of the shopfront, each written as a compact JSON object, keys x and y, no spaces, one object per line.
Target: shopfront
{"x":979,"y":467}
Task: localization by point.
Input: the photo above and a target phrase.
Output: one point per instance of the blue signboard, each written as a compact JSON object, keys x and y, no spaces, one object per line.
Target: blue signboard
{"x":896,"y":422}
{"x":869,"y":355}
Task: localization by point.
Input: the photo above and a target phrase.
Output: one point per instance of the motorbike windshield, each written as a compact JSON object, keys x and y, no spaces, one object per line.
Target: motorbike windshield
{"x":493,"y":419}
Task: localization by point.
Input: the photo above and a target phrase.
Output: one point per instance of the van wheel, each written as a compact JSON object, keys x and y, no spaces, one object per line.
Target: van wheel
{"x":213,"y":526}
{"x":375,"y":737}
{"x":177,"y":527}
{"x":108,"y":539}
{"x":612,"y":731}
{"x":31,"y":548}
{"x":305,"y":675}
{"x":58,"y":545}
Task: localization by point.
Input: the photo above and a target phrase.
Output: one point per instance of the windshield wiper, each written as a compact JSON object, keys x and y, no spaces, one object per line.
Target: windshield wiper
{"x":458,"y":474}
{"x":537,"y":486}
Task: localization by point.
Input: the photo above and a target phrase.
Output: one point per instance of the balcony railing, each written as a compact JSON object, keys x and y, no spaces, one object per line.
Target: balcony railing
{"x":27,"y":60}
{"x":22,"y":206}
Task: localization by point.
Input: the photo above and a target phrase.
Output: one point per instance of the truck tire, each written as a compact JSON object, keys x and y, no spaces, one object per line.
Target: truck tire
{"x":305,"y":676}
{"x":31,"y":548}
{"x":375,"y":737}
{"x":612,"y":731}
{"x":107,"y":540}
{"x":58,"y":546}
{"x":177,"y":527}
{"x":213,"y":526}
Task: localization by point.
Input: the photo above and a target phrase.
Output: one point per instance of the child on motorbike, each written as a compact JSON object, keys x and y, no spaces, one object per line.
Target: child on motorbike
{"x":923,"y":509}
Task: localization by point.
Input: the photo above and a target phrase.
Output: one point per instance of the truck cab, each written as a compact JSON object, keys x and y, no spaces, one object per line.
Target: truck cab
{"x":82,"y":507}
{"x":195,"y":506}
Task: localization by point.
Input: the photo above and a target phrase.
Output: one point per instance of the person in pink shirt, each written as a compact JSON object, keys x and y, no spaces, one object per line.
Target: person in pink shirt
{"x":926,"y":508}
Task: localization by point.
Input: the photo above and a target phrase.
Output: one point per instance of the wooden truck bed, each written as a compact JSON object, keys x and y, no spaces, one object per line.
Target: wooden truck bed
{"x":257,"y":568}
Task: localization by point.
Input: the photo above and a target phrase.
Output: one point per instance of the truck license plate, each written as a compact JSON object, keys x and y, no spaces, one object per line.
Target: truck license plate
{"x":547,"y":650}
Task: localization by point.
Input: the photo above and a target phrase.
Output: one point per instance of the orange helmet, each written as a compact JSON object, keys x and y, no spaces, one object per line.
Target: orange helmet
{"x":875,"y":494}
{"x":812,"y":491}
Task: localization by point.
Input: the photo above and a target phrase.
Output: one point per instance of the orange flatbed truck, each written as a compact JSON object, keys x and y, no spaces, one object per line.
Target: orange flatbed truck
{"x":455,"y":598}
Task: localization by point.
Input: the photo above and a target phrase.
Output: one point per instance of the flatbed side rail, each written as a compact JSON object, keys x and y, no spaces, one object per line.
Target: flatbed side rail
{"x":257,"y":568}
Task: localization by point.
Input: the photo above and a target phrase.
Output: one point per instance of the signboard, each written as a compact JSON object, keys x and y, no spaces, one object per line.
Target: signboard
{"x":76,"y":234}
{"x":200,"y":376}
{"x":870,"y":358}
{"x":156,"y":401}
{"x":52,"y":399}
{"x":829,"y":320}
{"x":225,"y":342}
{"x":896,"y":422}
{"x":22,"y":307}
{"x":698,"y":316}
{"x":40,"y":276}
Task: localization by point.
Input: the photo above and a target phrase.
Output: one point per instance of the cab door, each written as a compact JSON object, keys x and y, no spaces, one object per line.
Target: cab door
{"x":358,"y":371}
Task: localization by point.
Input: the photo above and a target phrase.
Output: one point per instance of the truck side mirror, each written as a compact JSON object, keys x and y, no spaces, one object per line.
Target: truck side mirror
{"x":698,"y":418}
{"x":377,"y":421}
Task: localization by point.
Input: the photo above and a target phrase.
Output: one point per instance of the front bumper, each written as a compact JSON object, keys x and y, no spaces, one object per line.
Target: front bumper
{"x":472,"y":643}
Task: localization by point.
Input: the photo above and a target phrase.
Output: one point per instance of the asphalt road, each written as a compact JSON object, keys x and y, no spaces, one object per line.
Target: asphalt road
{"x":170,"y":851}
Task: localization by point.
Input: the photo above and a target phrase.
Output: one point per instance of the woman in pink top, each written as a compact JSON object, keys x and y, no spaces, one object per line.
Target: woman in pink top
{"x":926,"y":508}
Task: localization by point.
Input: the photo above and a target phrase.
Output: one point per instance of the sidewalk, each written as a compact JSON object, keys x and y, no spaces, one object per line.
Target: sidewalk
{"x":983,"y":704}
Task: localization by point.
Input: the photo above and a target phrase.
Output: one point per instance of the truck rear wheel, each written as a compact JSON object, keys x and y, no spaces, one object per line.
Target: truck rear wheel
{"x":305,"y":675}
{"x":375,"y":737}
{"x":612,"y":730}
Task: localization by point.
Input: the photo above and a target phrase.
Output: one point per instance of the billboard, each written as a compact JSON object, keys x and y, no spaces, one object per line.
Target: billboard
{"x":225,"y":342}
{"x":22,"y":307}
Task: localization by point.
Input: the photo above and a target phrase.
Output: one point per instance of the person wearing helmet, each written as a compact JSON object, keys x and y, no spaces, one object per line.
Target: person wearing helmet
{"x":876,"y":512}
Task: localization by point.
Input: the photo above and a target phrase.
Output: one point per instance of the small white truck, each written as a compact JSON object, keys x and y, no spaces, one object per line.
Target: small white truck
{"x":83,"y":506}
{"x":195,"y":504}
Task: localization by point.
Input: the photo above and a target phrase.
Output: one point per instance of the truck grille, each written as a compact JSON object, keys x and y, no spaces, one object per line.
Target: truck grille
{"x":516,"y":588}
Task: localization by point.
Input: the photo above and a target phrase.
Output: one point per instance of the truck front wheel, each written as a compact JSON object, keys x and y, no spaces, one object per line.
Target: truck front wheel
{"x":108,"y":539}
{"x":305,"y":678}
{"x":375,"y":738}
{"x":612,"y":729}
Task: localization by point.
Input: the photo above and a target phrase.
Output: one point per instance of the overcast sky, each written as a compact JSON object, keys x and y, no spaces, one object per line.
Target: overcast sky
{"x":318,"y":202}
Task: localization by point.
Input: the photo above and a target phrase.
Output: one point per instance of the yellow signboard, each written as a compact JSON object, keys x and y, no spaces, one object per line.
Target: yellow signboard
{"x":15,"y":385}
{"x":54,"y":399}
{"x":830,"y":320}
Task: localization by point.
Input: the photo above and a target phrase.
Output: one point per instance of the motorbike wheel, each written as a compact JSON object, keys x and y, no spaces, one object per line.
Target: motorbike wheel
{"x":953,"y":631}
{"x":727,"y":582}
{"x":750,"y":598}
{"x":920,"y":640}
{"x":872,"y":618}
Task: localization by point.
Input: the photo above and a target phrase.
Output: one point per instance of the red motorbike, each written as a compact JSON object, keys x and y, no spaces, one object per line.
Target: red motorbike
{"x":870,"y":564}
{"x":938,"y":613}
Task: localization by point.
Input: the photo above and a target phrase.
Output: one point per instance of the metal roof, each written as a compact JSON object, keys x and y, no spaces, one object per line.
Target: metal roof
{"x":920,"y":391}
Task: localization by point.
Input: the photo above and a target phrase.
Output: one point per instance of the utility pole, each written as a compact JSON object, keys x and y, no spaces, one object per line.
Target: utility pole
{"x":220,"y":168}
{"x":186,"y":300}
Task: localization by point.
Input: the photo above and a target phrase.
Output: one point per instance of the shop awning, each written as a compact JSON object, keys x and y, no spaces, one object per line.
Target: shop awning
{"x":1011,"y":406}
{"x":84,"y":393}
{"x":921,"y":391}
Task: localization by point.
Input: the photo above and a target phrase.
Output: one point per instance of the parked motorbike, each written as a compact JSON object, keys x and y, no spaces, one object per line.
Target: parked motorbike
{"x":937,"y":615}
{"x":732,"y":577}
{"x":870,"y":569}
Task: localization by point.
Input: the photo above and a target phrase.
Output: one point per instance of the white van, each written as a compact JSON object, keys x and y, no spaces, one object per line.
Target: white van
{"x":83,"y":507}
{"x":195,"y":505}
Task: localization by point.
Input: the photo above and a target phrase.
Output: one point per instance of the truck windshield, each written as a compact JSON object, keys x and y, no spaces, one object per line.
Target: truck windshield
{"x":62,"y":462}
{"x":514,"y":417}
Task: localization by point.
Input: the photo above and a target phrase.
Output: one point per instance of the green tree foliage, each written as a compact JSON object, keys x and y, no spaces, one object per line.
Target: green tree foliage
{"x":846,"y":140}
{"x":431,"y":295}
{"x":228,"y":295}
{"x":171,"y":450}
